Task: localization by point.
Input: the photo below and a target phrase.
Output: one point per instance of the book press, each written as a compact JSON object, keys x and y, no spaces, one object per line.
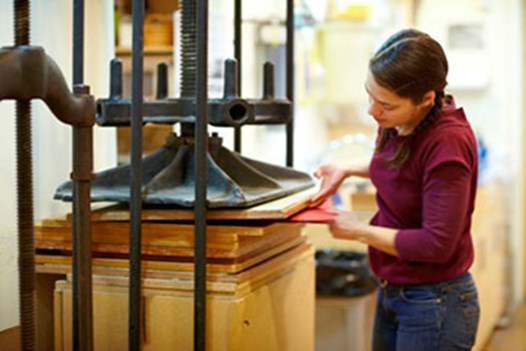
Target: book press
{"x":196,"y":250}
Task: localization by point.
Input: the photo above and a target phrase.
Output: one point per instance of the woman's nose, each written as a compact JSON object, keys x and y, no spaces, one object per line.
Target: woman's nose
{"x":374,"y":109}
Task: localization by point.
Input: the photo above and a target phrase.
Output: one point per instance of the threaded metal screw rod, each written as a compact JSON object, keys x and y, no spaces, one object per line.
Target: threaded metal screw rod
{"x":188,"y":49}
{"x":26,"y":244}
{"x":188,"y":57}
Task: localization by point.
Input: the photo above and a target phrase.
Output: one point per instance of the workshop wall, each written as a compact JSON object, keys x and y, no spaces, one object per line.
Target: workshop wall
{"x":51,"y":23}
{"x":483,"y":40}
{"x":8,"y":267}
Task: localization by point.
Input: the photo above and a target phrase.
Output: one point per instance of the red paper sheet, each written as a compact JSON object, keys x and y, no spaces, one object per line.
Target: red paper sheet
{"x":324,"y":213}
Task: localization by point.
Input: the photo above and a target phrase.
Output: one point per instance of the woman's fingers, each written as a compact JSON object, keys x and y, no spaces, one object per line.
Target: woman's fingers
{"x":320,"y":196}
{"x":330,"y":182}
{"x":317,"y":200}
{"x":323,"y":194}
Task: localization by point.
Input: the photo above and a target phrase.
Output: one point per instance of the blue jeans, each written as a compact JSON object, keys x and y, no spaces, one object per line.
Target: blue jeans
{"x":427,"y":317}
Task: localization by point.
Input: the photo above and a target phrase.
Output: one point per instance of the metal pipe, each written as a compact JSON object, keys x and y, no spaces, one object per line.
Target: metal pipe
{"x":82,"y":254}
{"x":82,"y":295}
{"x":81,"y":225}
{"x":238,"y":17}
{"x":26,"y":237}
{"x":290,"y":81}
{"x":34,"y":75}
{"x":136,"y":176}
{"x":201,"y":150}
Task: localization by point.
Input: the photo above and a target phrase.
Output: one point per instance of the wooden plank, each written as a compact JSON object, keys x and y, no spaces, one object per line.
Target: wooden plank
{"x":168,"y":239}
{"x":235,"y":284}
{"x":279,"y":209}
{"x":218,"y":283}
{"x":183,"y":250}
{"x":62,"y":264}
{"x":107,"y":231}
{"x":241,"y":283}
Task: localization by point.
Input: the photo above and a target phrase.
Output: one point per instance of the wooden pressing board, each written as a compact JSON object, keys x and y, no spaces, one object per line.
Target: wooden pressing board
{"x":61,"y":264}
{"x":279,"y":209}
{"x":162,"y":274}
{"x":170,"y":239}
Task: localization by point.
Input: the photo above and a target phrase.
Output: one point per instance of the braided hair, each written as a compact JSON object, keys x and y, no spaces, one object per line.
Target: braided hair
{"x":410,"y":64}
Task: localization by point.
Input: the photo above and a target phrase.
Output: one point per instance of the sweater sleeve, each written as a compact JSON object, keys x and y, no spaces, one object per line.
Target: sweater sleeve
{"x":446,"y":205}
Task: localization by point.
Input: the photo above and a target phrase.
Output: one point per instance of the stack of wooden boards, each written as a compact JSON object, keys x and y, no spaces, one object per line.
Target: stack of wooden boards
{"x":260,"y":279}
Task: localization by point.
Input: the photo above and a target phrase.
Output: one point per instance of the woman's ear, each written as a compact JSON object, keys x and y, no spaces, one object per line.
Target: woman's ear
{"x":428,"y":100}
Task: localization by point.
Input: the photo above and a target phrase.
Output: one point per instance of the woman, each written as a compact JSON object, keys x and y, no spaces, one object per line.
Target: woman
{"x":424,"y":169}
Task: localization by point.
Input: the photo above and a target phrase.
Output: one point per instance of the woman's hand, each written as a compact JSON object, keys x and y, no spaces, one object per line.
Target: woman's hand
{"x":331,"y":177}
{"x":346,"y":225}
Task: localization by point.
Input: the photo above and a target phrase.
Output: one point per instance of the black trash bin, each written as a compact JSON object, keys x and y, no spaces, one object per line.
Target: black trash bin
{"x":343,"y":273}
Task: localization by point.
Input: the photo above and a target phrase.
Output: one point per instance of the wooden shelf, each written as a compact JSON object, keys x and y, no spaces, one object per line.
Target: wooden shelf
{"x":148,"y":50}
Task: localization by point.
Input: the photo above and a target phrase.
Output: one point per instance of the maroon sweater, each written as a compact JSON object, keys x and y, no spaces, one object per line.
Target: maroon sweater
{"x":430,"y":200}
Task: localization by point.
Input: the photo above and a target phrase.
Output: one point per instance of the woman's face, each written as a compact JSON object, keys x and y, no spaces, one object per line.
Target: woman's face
{"x":392,"y":111}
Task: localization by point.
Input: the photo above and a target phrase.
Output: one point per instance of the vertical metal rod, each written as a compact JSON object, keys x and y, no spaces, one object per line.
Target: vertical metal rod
{"x":136,"y":176}
{"x":290,"y":81}
{"x":83,"y":330}
{"x":116,"y":79}
{"x":268,"y":80}
{"x":81,"y":226}
{"x":81,"y":175}
{"x":201,"y":150}
{"x":162,"y":81}
{"x":231,"y":88}
{"x":78,"y":41}
{"x":238,"y":16}
{"x":24,"y":172}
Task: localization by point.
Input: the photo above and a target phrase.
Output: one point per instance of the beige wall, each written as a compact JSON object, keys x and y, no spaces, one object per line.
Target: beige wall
{"x":523,"y":57}
{"x":494,"y":105}
{"x":51,"y":28}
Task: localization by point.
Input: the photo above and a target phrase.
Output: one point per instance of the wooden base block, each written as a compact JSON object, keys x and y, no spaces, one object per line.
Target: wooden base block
{"x":268,"y":307}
